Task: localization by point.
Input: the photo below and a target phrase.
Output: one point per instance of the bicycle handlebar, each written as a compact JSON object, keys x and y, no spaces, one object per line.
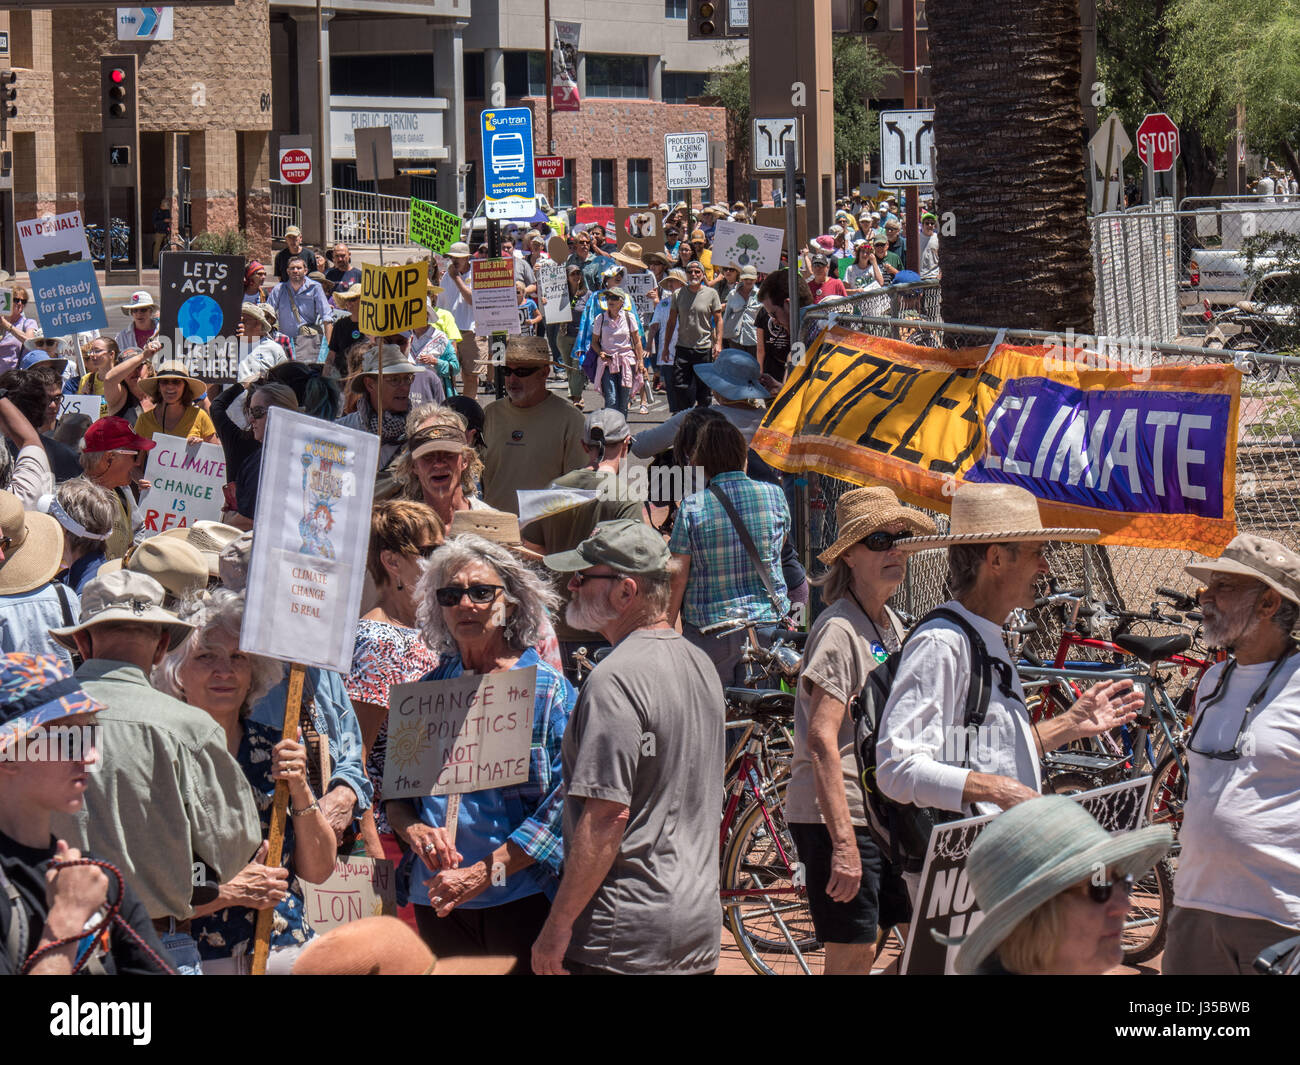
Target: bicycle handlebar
{"x":1181,"y":600}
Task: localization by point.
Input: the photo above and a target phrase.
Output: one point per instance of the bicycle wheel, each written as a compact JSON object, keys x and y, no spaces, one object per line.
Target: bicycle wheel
{"x":774,"y":930}
{"x":1147,"y":924}
{"x":1168,"y":795}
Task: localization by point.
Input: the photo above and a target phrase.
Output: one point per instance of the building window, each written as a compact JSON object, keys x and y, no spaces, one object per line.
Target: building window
{"x":385,"y":75}
{"x":525,"y":74}
{"x":602,"y":182}
{"x":564,"y":187}
{"x":674,"y":8}
{"x":638,"y":182}
{"x":474,"y":74}
{"x":679,"y":85}
{"x":618,"y":75}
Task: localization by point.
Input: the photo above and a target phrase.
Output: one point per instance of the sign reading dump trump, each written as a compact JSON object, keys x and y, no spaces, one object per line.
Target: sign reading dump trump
{"x":461,"y":734}
{"x":393,"y":298}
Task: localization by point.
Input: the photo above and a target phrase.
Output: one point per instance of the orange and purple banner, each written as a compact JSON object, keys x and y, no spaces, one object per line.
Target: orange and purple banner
{"x":1146,"y":454}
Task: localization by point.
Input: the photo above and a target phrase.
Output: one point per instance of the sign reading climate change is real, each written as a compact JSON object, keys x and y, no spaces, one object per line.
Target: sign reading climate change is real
{"x":185,"y":484}
{"x":393,"y":298}
{"x":308,"y":567}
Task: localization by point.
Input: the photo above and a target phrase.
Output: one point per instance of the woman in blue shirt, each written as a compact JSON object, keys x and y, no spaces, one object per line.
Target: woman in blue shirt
{"x":488,"y":890}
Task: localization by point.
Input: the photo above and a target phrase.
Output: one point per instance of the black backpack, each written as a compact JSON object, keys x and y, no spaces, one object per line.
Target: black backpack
{"x":901,"y":830}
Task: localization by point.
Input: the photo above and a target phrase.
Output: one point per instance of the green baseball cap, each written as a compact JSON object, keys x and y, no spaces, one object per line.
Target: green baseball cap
{"x":625,"y":544}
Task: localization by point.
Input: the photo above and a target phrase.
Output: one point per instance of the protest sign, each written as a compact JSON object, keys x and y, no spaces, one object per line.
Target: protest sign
{"x":945,"y":902}
{"x":67,"y":298}
{"x":186,"y":484}
{"x":1146,"y":454}
{"x":554,"y":290}
{"x":604,"y":216}
{"x":496,"y":310}
{"x":200,"y":296}
{"x":393,"y":298}
{"x":639,"y":287}
{"x":91,"y":406}
{"x":736,"y":244}
{"x":307,"y":570}
{"x":53,"y":240}
{"x":359,"y":887}
{"x":775,"y":218}
{"x":432,"y":227}
{"x":6,"y":301}
{"x":461,"y":734}
{"x":640,"y":225}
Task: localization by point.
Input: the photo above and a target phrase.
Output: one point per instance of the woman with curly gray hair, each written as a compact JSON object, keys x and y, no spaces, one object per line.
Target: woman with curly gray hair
{"x":209,"y":671}
{"x":488,"y":892}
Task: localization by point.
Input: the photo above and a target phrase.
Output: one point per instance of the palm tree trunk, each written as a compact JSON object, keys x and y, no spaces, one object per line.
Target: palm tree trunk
{"x":1009,"y":131}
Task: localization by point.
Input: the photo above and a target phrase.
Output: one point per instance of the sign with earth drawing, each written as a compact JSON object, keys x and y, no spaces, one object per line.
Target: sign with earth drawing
{"x":200,"y":296}
{"x":736,"y":244}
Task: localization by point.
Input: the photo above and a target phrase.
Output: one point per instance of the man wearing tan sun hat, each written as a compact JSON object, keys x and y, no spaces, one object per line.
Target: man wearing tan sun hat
{"x":996,"y":546}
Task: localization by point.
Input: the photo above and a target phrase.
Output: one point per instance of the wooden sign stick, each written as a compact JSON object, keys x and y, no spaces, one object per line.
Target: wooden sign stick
{"x":453,"y":817}
{"x":279,"y":816}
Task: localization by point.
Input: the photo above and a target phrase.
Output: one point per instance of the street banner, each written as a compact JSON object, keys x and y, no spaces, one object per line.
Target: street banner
{"x":640,"y":225}
{"x":460,"y":734}
{"x":1146,"y":454}
{"x":590,"y":216}
{"x":564,"y":66}
{"x":201,"y":295}
{"x":554,"y":290}
{"x":308,"y":566}
{"x":53,"y":240}
{"x":67,"y":298}
{"x":945,"y":902}
{"x":90,"y":406}
{"x":432,"y":227}
{"x":186,"y":484}
{"x":393,"y":298}
{"x":359,"y":887}
{"x":496,"y":309}
{"x":736,"y":244}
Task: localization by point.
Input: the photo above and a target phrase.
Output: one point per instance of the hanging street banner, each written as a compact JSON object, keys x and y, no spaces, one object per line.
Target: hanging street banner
{"x":186,"y":484}
{"x":433,"y":228}
{"x":67,"y":298}
{"x":945,"y":902}
{"x":460,"y":734}
{"x":308,"y":566}
{"x":564,"y":66}
{"x":1146,"y":454}
{"x":393,"y":298}
{"x":496,"y":309}
{"x":737,"y":244}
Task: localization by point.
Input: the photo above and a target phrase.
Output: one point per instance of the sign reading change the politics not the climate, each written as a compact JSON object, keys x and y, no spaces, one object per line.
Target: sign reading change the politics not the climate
{"x":393,"y":298}
{"x":1145,"y":454}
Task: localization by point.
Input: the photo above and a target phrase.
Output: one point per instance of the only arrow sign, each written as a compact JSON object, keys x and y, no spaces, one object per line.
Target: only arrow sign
{"x":151,"y":17}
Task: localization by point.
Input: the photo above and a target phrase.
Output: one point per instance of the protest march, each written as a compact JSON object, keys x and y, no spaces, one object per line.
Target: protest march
{"x":660,"y":585}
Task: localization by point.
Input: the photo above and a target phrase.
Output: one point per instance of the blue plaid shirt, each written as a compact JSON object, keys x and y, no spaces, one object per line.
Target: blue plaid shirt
{"x":530,"y":815}
{"x":723,"y":581}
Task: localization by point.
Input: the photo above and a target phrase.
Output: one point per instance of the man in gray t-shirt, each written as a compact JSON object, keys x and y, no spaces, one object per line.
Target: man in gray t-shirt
{"x":642,"y":767}
{"x":696,"y":314}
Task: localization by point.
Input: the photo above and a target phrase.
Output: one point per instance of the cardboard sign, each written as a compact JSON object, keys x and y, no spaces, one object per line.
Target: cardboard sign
{"x":187,"y":484}
{"x":91,"y":406}
{"x":466,"y":733}
{"x":6,"y":301}
{"x":67,"y":298}
{"x":393,"y":298}
{"x":375,"y":153}
{"x":359,"y":887}
{"x":945,"y":902}
{"x":433,"y":228}
{"x":53,"y":240}
{"x":774,"y":218}
{"x":496,"y":310}
{"x":736,"y":244}
{"x":640,"y":225}
{"x":640,"y":286}
{"x":307,"y":570}
{"x":200,"y":296}
{"x":553,"y":287}
{"x":558,"y":249}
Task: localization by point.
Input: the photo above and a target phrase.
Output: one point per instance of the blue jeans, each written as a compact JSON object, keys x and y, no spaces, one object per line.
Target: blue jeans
{"x":615,"y":392}
{"x":181,"y":952}
{"x":725,"y":651}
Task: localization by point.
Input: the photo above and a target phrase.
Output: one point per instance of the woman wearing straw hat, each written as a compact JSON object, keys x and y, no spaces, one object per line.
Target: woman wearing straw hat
{"x":1053,"y":888}
{"x":852,"y":889}
{"x":175,"y":394}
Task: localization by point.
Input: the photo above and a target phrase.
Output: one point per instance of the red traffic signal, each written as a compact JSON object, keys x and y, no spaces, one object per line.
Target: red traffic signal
{"x":117,"y":75}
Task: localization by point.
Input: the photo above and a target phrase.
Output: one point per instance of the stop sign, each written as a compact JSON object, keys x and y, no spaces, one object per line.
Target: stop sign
{"x":1157,"y":142}
{"x":295,"y":166}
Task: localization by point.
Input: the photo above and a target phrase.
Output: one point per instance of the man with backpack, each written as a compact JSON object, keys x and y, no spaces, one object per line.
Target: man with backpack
{"x":954,"y":734}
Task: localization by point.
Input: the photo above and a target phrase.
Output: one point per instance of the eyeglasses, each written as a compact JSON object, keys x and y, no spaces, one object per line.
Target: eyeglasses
{"x":578,"y":579}
{"x":132,"y":455}
{"x":519,"y":371}
{"x":479,"y":594}
{"x":257,"y":413}
{"x":882,"y":541}
{"x":1101,"y":893}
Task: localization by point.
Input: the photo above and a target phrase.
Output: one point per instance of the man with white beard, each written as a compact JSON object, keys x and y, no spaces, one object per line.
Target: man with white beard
{"x":1238,"y":885}
{"x":643,"y":760}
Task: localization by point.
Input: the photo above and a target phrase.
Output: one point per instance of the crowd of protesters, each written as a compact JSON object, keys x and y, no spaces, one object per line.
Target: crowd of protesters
{"x":606,"y":859}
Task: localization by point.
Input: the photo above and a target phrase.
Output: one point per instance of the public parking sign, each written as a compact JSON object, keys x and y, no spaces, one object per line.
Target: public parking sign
{"x":508,"y":182}
{"x":686,"y":161}
{"x":1157,"y":142}
{"x":295,"y":165}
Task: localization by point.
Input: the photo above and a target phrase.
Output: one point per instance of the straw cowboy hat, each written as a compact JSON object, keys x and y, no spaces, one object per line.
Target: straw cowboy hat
{"x":31,"y":551}
{"x":1032,"y":853}
{"x":996,"y":514}
{"x":124,"y":596}
{"x":527,"y":351}
{"x":208,"y":538}
{"x":175,"y":564}
{"x":498,"y":526}
{"x":863,"y":511}
{"x":172,"y":371}
{"x":395,"y":362}
{"x":1254,"y":556}
{"x":630,"y":255}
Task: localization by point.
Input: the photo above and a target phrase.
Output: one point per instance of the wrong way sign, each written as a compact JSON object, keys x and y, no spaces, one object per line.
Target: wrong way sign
{"x":295,"y":165}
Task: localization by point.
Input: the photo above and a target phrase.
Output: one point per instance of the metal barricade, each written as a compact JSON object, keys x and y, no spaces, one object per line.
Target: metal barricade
{"x":285,"y":209}
{"x":357,"y":217}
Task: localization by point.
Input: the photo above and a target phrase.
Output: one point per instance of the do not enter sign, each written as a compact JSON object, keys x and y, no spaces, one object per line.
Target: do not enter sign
{"x":1157,"y":142}
{"x":295,"y":165}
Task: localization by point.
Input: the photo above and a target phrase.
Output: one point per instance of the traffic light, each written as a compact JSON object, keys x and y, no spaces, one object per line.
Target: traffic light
{"x":708,"y":20}
{"x":866,"y":16}
{"x":9,"y":94}
{"x":118,"y":91}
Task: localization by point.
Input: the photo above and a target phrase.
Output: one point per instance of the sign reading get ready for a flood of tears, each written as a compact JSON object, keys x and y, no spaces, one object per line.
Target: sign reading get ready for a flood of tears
{"x":466,"y":733}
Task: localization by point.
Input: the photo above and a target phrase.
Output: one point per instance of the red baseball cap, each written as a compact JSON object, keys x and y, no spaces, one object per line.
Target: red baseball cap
{"x":114,"y":434}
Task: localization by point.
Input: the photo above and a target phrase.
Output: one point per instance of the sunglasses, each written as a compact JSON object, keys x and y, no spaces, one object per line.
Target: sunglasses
{"x":17,"y":302}
{"x":578,"y":579}
{"x":1101,"y":893}
{"x":519,"y":371}
{"x":479,"y":594}
{"x":257,"y":413}
{"x":882,"y":541}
